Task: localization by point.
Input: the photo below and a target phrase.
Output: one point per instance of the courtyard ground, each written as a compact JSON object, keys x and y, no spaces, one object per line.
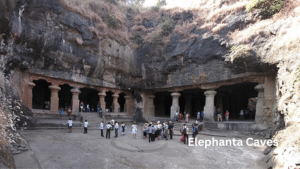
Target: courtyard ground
{"x":59,"y":149}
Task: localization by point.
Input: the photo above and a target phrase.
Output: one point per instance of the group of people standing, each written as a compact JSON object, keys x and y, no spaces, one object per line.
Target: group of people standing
{"x":158,"y":130}
{"x":179,"y":117}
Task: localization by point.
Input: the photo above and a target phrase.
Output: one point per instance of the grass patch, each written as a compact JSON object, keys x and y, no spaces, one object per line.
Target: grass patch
{"x":167,"y":26}
{"x":239,"y":51}
{"x":269,"y":7}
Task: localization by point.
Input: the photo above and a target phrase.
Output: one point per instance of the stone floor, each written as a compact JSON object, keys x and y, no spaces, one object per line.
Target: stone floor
{"x":59,"y":149}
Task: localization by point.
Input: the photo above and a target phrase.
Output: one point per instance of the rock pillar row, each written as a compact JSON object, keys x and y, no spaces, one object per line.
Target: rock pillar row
{"x":151,"y":106}
{"x":28,"y":101}
{"x":127,"y":104}
{"x":175,"y":104}
{"x":102,"y":101}
{"x":188,"y":105}
{"x":115,"y":103}
{"x":260,"y":103}
{"x":54,"y":101}
{"x":75,"y":100}
{"x":209,"y":107}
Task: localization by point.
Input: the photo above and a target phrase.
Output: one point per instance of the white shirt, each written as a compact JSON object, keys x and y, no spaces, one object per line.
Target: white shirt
{"x":116,"y":126}
{"x":101,"y":126}
{"x":108,"y":126}
{"x":166,"y":126}
{"x":86,"y":124}
{"x":70,"y":122}
{"x":87,"y":106}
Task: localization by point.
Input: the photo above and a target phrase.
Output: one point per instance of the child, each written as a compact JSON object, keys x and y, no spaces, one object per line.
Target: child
{"x":70,"y":123}
{"x":85,"y":126}
{"x":123,"y":128}
{"x":134,"y":130}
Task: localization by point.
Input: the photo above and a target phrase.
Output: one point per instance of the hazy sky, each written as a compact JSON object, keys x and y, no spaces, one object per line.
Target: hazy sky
{"x":174,"y":3}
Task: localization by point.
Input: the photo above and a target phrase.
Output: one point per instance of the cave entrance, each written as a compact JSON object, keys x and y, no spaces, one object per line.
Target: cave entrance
{"x":109,"y":101}
{"x":235,"y":98}
{"x":41,"y":95}
{"x":65,"y":96}
{"x":89,"y":96}
{"x":163,"y":103}
{"x":192,"y":101}
{"x":121,"y":101}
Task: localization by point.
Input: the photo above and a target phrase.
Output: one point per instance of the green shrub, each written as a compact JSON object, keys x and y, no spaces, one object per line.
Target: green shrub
{"x":239,"y":51}
{"x":156,"y":39}
{"x":137,"y":38}
{"x":268,"y":6}
{"x":167,"y":26}
{"x":112,"y":21}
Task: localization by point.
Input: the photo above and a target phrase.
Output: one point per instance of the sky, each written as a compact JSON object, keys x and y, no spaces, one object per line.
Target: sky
{"x":174,"y":3}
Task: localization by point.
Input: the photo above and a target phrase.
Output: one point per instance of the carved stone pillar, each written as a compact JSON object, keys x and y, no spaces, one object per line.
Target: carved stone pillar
{"x":54,"y":98}
{"x":75,"y":100}
{"x":175,"y":105}
{"x":28,"y":101}
{"x":151,"y":106}
{"x":188,"y":105}
{"x":260,"y":102}
{"x":209,"y":107}
{"x":127,"y":104}
{"x":116,"y":105}
{"x":102,"y":101}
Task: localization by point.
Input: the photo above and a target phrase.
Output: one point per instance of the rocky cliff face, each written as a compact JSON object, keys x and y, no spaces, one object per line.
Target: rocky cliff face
{"x":88,"y":43}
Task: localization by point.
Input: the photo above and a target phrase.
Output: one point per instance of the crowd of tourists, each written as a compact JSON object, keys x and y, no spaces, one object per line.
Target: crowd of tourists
{"x":152,"y":131}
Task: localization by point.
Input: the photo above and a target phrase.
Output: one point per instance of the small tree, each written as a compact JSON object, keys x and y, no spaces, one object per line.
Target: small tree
{"x":135,"y":4}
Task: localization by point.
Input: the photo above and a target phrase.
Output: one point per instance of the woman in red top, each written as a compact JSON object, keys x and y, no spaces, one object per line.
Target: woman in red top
{"x":227,"y":115}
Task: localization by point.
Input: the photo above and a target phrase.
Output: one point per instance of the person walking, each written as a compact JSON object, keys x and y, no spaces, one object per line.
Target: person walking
{"x":185,"y":130}
{"x":134,"y":130}
{"x":116,"y":129}
{"x":176,"y":116}
{"x":61,"y":111}
{"x":171,"y":127}
{"x":81,"y":106}
{"x":108,"y":128}
{"x":227,"y":115}
{"x":85,"y":126}
{"x":69,"y":111}
{"x":101,"y":128}
{"x":70,"y":123}
{"x":122,"y":128}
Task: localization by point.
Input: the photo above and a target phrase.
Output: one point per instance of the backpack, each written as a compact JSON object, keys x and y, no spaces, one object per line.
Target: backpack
{"x":184,"y":130}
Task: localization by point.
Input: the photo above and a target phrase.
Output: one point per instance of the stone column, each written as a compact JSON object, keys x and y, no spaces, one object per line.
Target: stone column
{"x":175,"y":105}
{"x":188,"y":105}
{"x":115,"y":103}
{"x":54,"y":98}
{"x":151,"y":106}
{"x":75,"y":100}
{"x":209,"y":107}
{"x":260,"y":103}
{"x":127,"y":104}
{"x":102,"y":101}
{"x":28,"y":101}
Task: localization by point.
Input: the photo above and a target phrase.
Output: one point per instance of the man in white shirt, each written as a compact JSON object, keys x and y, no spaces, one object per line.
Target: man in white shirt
{"x":88,"y":107}
{"x":108,"y":127}
{"x":101,"y":128}
{"x":85,"y":126}
{"x":116,"y":129}
{"x":70,"y":123}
